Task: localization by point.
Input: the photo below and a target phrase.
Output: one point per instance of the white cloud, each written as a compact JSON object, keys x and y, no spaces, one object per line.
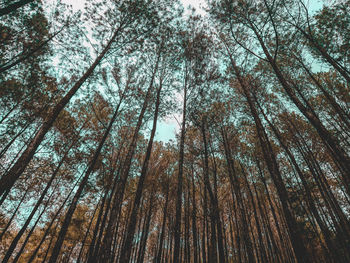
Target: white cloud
{"x":197,"y":4}
{"x":76,"y":4}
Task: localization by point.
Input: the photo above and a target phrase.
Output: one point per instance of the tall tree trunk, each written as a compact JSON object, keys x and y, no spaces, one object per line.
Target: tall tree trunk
{"x":194,"y":221}
{"x":8,"y":179}
{"x":145,"y":231}
{"x":212,"y":214}
{"x":14,"y":214}
{"x":92,"y":245}
{"x":14,"y":6}
{"x":99,"y":228}
{"x":117,"y":199}
{"x":258,"y":228}
{"x":37,"y":205}
{"x":337,"y":152}
{"x":294,"y":231}
{"x":275,"y":254}
{"x":177,"y":226}
{"x":33,"y":227}
{"x":88,"y":231}
{"x":162,"y":234}
{"x":233,"y":178}
{"x":43,"y":238}
{"x":126,"y":249}
{"x":220,"y":235}
{"x":325,"y":231}
{"x":82,"y":185}
{"x":8,"y":145}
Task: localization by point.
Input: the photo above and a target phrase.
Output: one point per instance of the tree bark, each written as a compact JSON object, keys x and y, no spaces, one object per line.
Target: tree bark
{"x":126,"y":249}
{"x":14,"y":6}
{"x":8,"y":180}
{"x":177,"y":226}
{"x":82,"y":185}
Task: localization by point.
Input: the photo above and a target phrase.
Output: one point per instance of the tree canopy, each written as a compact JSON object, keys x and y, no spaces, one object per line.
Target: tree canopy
{"x":258,"y":170}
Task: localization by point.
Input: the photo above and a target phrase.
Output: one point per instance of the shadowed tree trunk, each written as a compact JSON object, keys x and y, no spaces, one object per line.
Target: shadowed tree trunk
{"x":126,"y":249}
{"x":82,"y":185}
{"x":8,"y":179}
{"x":295,"y":235}
{"x":14,"y":6}
{"x":177,"y":226}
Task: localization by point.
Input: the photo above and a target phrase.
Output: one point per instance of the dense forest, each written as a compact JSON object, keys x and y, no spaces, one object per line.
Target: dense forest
{"x":259,"y":168}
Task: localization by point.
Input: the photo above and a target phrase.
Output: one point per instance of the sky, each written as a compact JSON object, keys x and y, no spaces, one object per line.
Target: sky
{"x":79,"y":4}
{"x":167,"y":129}
{"x":197,"y":4}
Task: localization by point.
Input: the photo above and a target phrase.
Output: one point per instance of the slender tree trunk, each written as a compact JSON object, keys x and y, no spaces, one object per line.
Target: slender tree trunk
{"x":99,"y":228}
{"x":88,"y":231}
{"x":275,"y":254}
{"x":295,"y":235}
{"x":36,"y":207}
{"x":32,"y":257}
{"x":126,"y":249}
{"x":325,"y":231}
{"x":338,"y":154}
{"x":3,"y":151}
{"x":177,"y":226}
{"x":97,"y":225}
{"x":23,"y":57}
{"x":13,"y":215}
{"x":204,"y":221}
{"x":117,"y":200}
{"x":14,"y":6}
{"x":194,"y":222}
{"x":10,"y":111}
{"x":8,"y":179}
{"x":213,"y":241}
{"x":259,"y":230}
{"x":162,"y":234}
{"x":187,"y":254}
{"x":33,"y":227}
{"x":82,"y":185}
{"x":283,"y":244}
{"x":49,"y":245}
{"x":145,"y":232}
{"x":237,"y":192}
{"x":220,"y":236}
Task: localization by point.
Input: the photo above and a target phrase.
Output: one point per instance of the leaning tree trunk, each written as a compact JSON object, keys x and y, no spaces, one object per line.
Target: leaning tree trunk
{"x":14,"y":6}
{"x":237,"y":192}
{"x":37,"y":205}
{"x":7,"y":180}
{"x":337,"y":152}
{"x":271,"y":162}
{"x":69,"y":215}
{"x":162,"y":233}
{"x":177,"y":226}
{"x":126,"y":248}
{"x":117,"y":199}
